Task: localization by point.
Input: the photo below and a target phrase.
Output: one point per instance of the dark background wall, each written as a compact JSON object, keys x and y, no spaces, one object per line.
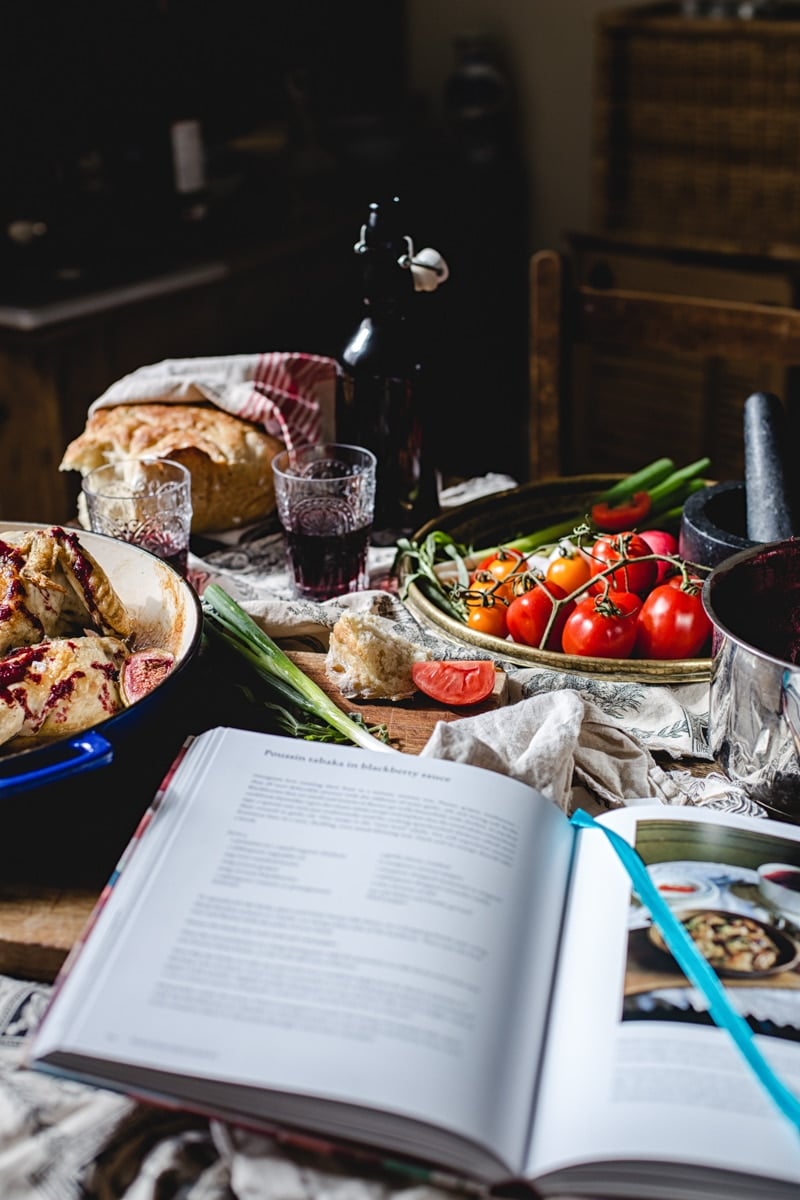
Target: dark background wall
{"x":309,"y":110}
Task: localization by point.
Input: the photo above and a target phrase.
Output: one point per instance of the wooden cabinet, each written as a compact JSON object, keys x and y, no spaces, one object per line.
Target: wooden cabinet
{"x":56,"y":359}
{"x":695,"y":126}
{"x":634,"y":408}
{"x":695,"y":191}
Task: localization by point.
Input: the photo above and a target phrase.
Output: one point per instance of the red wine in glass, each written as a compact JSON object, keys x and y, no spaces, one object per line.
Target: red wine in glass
{"x":325,"y":565}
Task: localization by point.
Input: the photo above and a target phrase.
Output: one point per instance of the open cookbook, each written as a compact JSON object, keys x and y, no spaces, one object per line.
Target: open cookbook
{"x":428,"y":961}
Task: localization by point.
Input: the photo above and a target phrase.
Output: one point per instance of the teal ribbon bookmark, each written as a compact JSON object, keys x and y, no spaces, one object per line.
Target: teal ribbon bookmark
{"x":696,"y":968}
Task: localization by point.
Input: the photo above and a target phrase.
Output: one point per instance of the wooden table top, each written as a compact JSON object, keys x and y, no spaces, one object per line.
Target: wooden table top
{"x":41,"y":917}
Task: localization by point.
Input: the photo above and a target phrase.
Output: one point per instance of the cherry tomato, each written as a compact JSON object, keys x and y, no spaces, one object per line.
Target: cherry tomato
{"x":602,"y":626}
{"x":454,"y":681}
{"x":614,"y":518}
{"x":503,"y":568}
{"x":661,"y":542}
{"x":633,"y":576}
{"x":486,"y":606}
{"x":672,"y":623}
{"x":485,"y":588}
{"x":482,"y":583}
{"x":488,"y":618}
{"x":529,"y":613}
{"x":569,"y":569}
{"x":502,"y":552}
{"x":676,"y":581}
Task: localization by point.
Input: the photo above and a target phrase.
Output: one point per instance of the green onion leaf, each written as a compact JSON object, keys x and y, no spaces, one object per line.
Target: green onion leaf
{"x":228,"y":623}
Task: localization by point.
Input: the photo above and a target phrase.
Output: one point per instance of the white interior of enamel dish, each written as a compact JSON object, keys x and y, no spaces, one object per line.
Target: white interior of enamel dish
{"x":163,"y":606}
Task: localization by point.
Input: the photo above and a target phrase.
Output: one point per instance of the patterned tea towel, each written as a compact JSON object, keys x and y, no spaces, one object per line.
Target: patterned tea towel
{"x":63,"y":1140}
{"x":290,"y":394}
{"x":576,"y":738}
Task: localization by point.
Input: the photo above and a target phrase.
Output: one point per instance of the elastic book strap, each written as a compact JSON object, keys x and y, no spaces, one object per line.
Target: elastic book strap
{"x":695,"y":967}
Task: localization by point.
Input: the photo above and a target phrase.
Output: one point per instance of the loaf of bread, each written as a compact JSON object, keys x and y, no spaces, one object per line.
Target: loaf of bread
{"x":229,"y":459}
{"x":368,"y":659}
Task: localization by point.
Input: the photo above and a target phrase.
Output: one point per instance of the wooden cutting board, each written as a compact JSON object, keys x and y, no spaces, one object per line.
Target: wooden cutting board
{"x":409,"y":722}
{"x":39,"y":924}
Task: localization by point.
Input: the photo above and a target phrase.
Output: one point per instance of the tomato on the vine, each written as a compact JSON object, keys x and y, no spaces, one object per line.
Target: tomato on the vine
{"x":632,"y":576}
{"x":503,"y":554}
{"x":489,"y":617}
{"x":505,"y":568}
{"x":484,"y":587}
{"x":486,"y":583}
{"x":672,"y":622}
{"x":529,"y":613}
{"x":614,"y":518}
{"x":677,"y":581}
{"x":602,"y":626}
{"x":569,"y":569}
{"x":487,"y":605}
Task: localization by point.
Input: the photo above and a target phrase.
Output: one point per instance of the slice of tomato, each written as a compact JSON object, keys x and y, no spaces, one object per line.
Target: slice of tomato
{"x":455,"y":682}
{"x":614,"y":518}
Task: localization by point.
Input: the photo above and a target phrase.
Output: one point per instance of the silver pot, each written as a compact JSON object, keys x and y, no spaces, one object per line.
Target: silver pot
{"x":753,"y":602}
{"x":166,"y":614}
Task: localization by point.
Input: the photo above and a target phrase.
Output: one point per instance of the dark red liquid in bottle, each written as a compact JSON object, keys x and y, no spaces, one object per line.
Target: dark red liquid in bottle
{"x":381,"y":400}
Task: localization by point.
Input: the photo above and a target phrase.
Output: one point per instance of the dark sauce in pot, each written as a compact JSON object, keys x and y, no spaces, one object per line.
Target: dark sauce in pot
{"x":758,"y":602}
{"x":787,"y":879}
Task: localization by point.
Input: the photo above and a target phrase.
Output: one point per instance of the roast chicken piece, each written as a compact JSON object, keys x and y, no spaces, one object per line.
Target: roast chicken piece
{"x":59,"y":687}
{"x":66,"y":657}
{"x":51,"y":586}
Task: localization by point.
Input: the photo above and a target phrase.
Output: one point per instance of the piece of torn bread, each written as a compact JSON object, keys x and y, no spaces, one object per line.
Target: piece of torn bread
{"x":229,"y":458}
{"x":368,"y":659}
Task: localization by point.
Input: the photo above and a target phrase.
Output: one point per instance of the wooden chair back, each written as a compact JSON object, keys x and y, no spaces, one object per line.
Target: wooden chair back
{"x":566,"y":317}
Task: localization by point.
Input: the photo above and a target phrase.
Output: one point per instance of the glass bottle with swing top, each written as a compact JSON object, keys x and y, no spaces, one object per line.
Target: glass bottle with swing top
{"x":381,"y":400}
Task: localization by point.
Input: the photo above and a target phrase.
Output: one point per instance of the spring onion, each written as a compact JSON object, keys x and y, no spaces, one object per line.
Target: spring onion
{"x":666,"y":491}
{"x":667,"y":486}
{"x":644,"y":480}
{"x":677,"y":486}
{"x":227,"y":622}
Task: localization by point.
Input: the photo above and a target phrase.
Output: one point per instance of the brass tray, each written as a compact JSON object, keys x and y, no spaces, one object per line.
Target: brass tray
{"x":504,"y":516}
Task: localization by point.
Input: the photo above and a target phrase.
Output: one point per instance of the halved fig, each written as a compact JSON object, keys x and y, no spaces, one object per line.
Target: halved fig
{"x":143,"y":671}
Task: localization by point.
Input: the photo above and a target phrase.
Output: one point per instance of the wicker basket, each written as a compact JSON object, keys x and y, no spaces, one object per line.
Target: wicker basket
{"x":696,"y":126}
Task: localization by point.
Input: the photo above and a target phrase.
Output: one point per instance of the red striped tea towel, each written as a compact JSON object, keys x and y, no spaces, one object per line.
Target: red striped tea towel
{"x":290,"y":394}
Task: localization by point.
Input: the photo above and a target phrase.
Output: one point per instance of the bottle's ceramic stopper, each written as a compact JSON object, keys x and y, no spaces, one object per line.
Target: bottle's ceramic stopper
{"x":428,"y":269}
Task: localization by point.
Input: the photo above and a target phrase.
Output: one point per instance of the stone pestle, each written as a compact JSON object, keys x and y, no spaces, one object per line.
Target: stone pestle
{"x":770,"y":516}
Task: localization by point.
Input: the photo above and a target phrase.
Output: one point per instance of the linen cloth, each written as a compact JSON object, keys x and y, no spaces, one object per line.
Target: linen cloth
{"x":576,"y":738}
{"x":559,"y":732}
{"x":61,"y":1140}
{"x":290,"y":394}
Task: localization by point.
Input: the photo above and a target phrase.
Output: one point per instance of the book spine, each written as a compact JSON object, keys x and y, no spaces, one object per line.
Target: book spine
{"x":123,"y":860}
{"x":350,"y":1156}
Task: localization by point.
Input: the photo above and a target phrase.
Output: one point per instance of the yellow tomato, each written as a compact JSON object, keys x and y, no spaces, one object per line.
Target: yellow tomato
{"x":569,"y":569}
{"x":487,"y":605}
{"x":488,"y":618}
{"x":508,"y":567}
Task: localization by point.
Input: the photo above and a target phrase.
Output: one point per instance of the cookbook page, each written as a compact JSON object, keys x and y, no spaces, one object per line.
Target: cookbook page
{"x":373,"y":927}
{"x":634,"y":1067}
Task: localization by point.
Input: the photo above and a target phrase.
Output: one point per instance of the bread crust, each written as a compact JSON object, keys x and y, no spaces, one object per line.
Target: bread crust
{"x":229,"y":458}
